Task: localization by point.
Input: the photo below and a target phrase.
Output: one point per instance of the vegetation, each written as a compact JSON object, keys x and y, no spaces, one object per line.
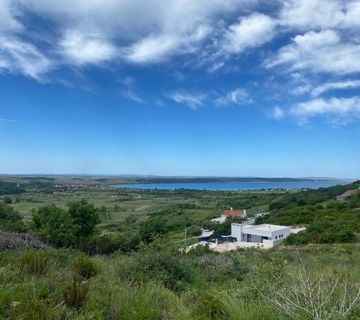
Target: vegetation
{"x":327,"y":220}
{"x":115,"y":255}
{"x":10,"y":220}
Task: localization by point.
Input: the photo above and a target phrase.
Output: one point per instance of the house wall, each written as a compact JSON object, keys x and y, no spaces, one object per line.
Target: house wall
{"x":236,"y":231}
{"x":275,"y":235}
{"x":240,"y":232}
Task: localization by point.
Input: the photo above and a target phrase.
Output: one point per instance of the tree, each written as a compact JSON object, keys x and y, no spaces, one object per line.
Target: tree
{"x":153,"y":227}
{"x":54,"y":225}
{"x":10,"y":220}
{"x":85,"y":216}
{"x":7,"y":200}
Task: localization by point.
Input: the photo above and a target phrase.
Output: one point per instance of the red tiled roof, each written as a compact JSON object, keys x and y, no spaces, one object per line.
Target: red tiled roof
{"x":235,"y":213}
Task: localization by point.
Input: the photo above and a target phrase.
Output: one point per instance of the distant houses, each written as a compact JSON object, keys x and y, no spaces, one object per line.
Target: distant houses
{"x":229,"y":213}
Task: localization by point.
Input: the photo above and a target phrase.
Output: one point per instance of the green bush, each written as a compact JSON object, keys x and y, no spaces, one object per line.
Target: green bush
{"x":10,"y":220}
{"x":66,"y":228}
{"x":85,"y":267}
{"x":36,"y":263}
{"x":54,"y":226}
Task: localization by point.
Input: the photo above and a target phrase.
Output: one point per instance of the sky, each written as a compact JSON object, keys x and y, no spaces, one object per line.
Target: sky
{"x":180,"y":87}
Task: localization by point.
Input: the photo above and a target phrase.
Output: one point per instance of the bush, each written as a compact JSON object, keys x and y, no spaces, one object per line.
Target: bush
{"x":85,"y":216}
{"x":164,"y":265}
{"x":85,"y":267}
{"x":7,"y":200}
{"x":75,"y":293}
{"x":36,"y":263}
{"x":54,"y":226}
{"x":65,"y":228}
{"x":10,"y":220}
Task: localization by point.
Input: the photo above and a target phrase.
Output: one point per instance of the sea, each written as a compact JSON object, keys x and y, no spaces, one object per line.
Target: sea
{"x":236,"y":186}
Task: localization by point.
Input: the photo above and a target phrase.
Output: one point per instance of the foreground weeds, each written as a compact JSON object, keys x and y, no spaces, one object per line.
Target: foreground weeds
{"x":317,"y":283}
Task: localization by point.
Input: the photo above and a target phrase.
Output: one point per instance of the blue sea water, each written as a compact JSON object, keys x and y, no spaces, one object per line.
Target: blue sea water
{"x":232,"y":186}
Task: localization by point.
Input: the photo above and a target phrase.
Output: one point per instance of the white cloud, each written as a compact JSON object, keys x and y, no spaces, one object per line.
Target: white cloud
{"x":131,"y":95}
{"x":144,"y":32}
{"x":320,"y":14}
{"x":80,"y":48}
{"x":319,"y":52}
{"x":8,"y":21}
{"x":20,"y":57}
{"x":237,"y":96}
{"x":192,"y":100}
{"x":350,"y":84}
{"x":337,"y":108}
{"x":251,"y":32}
{"x":151,"y":49}
{"x":277,"y":113}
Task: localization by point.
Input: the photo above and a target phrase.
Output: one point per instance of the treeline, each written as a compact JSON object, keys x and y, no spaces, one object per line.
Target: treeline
{"x":7,"y":188}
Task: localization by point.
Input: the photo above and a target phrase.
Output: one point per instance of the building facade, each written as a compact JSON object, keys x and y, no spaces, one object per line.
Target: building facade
{"x":263,"y":233}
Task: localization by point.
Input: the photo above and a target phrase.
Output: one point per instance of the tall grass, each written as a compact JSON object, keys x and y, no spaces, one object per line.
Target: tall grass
{"x":35,"y":263}
{"x":85,"y":267}
{"x":147,"y":302}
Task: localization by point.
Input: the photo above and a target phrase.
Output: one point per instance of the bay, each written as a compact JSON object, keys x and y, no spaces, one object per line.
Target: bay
{"x":233,"y":186}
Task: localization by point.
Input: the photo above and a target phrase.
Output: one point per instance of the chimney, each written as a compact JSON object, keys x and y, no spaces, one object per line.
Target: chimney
{"x":231,"y":208}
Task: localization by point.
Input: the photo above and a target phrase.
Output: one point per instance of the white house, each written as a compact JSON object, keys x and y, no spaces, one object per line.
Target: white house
{"x":268,"y":234}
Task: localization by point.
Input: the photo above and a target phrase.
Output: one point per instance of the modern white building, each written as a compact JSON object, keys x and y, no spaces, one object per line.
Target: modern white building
{"x":268,"y":234}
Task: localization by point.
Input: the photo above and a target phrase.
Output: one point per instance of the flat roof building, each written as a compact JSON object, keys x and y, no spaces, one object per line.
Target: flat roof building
{"x":259,"y":233}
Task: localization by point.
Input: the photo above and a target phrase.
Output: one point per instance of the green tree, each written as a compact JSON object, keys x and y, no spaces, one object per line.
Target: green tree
{"x":85,"y":217}
{"x":10,"y":220}
{"x":7,"y":200}
{"x":54,"y":225}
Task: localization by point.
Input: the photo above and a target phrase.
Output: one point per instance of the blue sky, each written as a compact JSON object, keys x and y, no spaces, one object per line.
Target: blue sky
{"x":226,"y":88}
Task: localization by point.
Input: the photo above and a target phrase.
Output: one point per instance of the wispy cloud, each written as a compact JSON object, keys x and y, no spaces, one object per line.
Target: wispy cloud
{"x":18,"y":56}
{"x":322,"y":51}
{"x":131,"y":95}
{"x":315,"y":14}
{"x":341,"y":109}
{"x":341,"y":85}
{"x":192,"y":100}
{"x":238,"y":96}
{"x":277,"y":113}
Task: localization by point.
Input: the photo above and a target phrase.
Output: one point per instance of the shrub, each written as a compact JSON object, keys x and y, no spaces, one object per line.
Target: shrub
{"x":7,"y":200}
{"x":85,"y":267}
{"x":36,"y":263}
{"x":10,"y":220}
{"x":54,"y":226}
{"x":75,"y":293}
{"x":164,"y":265}
{"x":85,"y":216}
